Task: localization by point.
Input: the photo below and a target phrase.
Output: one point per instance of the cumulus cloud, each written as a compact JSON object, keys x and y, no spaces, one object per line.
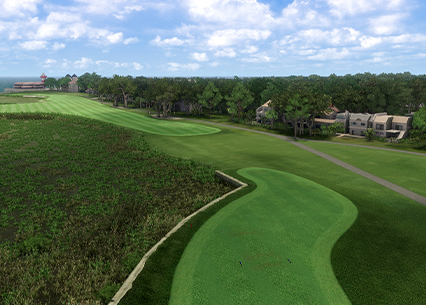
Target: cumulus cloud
{"x":176,"y":66}
{"x":228,"y":52}
{"x":225,"y":38}
{"x":131,"y":40}
{"x":330,"y":54}
{"x":341,"y":8}
{"x":137,"y":66}
{"x":115,"y":38}
{"x":119,"y":9}
{"x":301,"y":13}
{"x":121,"y":14}
{"x":167,"y":42}
{"x":386,"y":25}
{"x":130,"y":65}
{"x":257,"y":58}
{"x":57,"y":46}
{"x":49,"y":62}
{"x":84,"y":63}
{"x":33,"y":45}
{"x":231,"y":12}
{"x":368,"y":42}
{"x":250,"y":49}
{"x":199,"y":56}
{"x":21,"y":8}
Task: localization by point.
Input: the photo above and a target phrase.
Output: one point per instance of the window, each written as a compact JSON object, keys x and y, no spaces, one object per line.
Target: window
{"x":380,"y":127}
{"x":353,"y":123}
{"x":362,"y":124}
{"x":398,"y":127}
{"x":363,"y":133}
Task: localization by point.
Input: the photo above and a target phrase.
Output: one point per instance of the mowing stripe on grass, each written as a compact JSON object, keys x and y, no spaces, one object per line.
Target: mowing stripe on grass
{"x":244,"y":251}
{"x":77,"y":105}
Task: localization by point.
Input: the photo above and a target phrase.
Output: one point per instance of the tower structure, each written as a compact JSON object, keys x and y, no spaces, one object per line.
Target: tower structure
{"x":43,"y":77}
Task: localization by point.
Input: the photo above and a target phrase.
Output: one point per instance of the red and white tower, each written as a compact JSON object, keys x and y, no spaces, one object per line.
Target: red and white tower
{"x":43,"y":77}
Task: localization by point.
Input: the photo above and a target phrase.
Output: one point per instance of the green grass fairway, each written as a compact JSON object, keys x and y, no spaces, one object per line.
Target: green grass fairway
{"x":286,"y":219}
{"x":77,"y":105}
{"x":378,"y":260}
{"x":388,"y":165}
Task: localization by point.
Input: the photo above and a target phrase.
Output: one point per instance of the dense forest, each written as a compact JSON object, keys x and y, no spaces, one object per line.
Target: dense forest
{"x":294,"y":98}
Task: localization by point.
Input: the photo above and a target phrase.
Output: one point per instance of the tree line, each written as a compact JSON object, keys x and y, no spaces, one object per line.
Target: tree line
{"x":297,"y":99}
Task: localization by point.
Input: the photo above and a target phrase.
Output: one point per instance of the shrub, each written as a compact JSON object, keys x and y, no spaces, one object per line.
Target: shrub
{"x":370,"y":135}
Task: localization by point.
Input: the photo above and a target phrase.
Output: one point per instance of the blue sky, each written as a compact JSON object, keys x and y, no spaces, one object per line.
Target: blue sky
{"x":212,"y":37}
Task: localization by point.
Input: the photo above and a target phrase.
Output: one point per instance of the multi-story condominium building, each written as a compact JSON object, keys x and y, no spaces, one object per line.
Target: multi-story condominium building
{"x":359,"y":122}
{"x":400,"y":126}
{"x":382,"y":125}
{"x":343,"y":117}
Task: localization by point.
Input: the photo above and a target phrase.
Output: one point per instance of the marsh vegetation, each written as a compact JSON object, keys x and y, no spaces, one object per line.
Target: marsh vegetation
{"x":81,"y":202}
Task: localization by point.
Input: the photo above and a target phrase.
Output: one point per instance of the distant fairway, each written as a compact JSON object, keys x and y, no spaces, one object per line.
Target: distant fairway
{"x":77,"y":105}
{"x":287,"y":218}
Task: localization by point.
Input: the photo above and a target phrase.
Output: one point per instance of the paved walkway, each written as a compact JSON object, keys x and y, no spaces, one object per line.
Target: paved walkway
{"x":389,"y":185}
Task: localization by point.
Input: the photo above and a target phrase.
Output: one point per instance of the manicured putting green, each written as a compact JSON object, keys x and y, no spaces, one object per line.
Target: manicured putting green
{"x":77,"y":105}
{"x":271,"y":246}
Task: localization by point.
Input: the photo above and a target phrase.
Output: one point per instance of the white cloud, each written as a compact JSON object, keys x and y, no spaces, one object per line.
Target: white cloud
{"x":368,"y":42}
{"x":115,"y":38}
{"x":306,"y":52}
{"x":167,"y":42}
{"x":100,"y":62}
{"x":241,"y":13}
{"x":256,"y":58}
{"x":199,"y":56}
{"x":228,"y":52}
{"x":127,"y":10}
{"x":386,"y":25}
{"x":66,"y":64}
{"x":137,"y":66}
{"x":343,"y":8}
{"x":131,"y":40}
{"x":33,"y":45}
{"x":214,"y":64}
{"x":84,"y":63}
{"x":300,"y":13}
{"x":175,"y":66}
{"x":19,"y":8}
{"x":117,"y":8}
{"x":330,"y":54}
{"x":225,"y":38}
{"x":57,"y":46}
{"x":334,"y":37}
{"x":250,"y":49}
{"x":49,"y":62}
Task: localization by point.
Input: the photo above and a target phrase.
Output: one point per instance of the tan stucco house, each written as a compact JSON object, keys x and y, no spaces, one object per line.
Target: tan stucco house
{"x":382,"y":125}
{"x":261,"y":111}
{"x":359,"y":122}
{"x":400,"y":127}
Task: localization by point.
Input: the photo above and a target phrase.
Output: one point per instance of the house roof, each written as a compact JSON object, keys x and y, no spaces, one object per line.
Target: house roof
{"x":382,"y":119}
{"x":360,"y":117}
{"x":74,"y":75}
{"x":28,"y":83}
{"x":266,"y":104}
{"x":400,"y":119}
{"x":67,"y":75}
{"x":324,"y":121}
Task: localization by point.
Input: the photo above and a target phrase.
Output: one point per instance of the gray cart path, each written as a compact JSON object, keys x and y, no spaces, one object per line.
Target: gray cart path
{"x":385,"y":183}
